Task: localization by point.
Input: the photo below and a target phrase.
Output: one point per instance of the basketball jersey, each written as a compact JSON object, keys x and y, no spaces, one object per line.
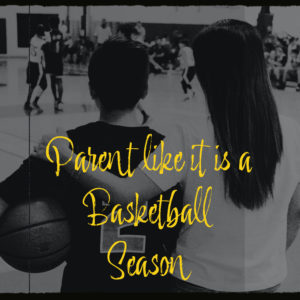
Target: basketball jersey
{"x":35,"y":50}
{"x":56,"y":42}
{"x":90,"y":245}
{"x":87,"y":267}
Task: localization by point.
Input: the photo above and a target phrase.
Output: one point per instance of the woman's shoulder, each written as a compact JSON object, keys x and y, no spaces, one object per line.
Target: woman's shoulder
{"x":289,"y":126}
{"x":192,"y":124}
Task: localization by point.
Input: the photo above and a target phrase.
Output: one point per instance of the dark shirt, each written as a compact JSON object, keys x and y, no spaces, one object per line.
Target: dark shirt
{"x":87,"y":268}
{"x":56,"y":42}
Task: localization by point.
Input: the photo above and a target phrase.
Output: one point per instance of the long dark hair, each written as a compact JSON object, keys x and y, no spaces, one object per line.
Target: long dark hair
{"x":231,"y":68}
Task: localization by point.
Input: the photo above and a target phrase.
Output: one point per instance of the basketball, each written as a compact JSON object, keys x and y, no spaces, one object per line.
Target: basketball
{"x":35,"y":237}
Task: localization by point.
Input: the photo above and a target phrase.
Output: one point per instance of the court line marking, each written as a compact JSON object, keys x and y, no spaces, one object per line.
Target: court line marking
{"x":16,"y":136}
{"x":12,"y":153}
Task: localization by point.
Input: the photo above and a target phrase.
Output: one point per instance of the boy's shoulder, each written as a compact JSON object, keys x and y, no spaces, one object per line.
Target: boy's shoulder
{"x":97,"y":133}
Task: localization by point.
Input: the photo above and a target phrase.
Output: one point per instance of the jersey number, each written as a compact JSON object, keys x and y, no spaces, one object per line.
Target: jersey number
{"x":111,"y":233}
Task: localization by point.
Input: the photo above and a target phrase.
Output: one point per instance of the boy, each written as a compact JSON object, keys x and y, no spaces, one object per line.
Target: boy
{"x":188,"y":65}
{"x":54,"y":62}
{"x":36,"y":77}
{"x":118,"y":79}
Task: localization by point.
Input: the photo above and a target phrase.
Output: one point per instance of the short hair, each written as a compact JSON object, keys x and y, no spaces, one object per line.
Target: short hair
{"x":118,"y":73}
{"x":184,"y":42}
{"x":127,"y":30}
{"x":40,"y":30}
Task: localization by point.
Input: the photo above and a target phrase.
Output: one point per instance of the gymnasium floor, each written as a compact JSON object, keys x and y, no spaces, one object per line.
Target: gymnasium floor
{"x":164,"y":101}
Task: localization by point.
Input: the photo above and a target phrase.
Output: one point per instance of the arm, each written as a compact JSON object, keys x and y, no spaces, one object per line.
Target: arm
{"x":96,"y":37}
{"x":122,"y":189}
{"x":9,"y":194}
{"x":147,"y":184}
{"x":184,"y":61}
{"x":154,"y":63}
{"x":109,"y":32}
{"x":293,"y":223}
{"x":15,"y":188}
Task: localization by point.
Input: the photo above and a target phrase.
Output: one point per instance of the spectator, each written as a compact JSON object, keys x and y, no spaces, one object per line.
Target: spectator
{"x":84,"y":49}
{"x":280,"y":62}
{"x":270,"y":40}
{"x":63,"y":29}
{"x":282,"y":55}
{"x":70,"y":49}
{"x":188,"y":66}
{"x":156,"y":56}
{"x":155,"y":67}
{"x":293,"y":46}
{"x":167,"y":48}
{"x":276,"y":61}
{"x":292,"y":69}
{"x":159,"y":52}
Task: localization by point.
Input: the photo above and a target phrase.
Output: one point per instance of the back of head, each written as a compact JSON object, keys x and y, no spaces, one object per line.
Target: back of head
{"x":40,"y":30}
{"x":118,"y":74}
{"x":230,"y":66}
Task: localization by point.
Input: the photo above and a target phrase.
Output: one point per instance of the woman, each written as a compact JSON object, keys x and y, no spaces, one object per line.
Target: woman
{"x":245,"y":250}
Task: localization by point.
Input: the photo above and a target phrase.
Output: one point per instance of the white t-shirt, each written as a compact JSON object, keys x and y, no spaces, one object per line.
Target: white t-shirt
{"x":102,"y":34}
{"x":63,"y":29}
{"x":187,"y":57}
{"x":141,"y":33}
{"x":245,"y":250}
{"x":35,"y":50}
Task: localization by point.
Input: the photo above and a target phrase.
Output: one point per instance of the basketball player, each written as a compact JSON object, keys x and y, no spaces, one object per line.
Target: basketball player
{"x":118,"y":79}
{"x":36,"y":77}
{"x":54,"y":62}
{"x":102,"y":33}
{"x":188,"y":64}
{"x":127,"y":31}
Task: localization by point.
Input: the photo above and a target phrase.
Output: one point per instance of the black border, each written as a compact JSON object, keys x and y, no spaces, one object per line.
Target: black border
{"x":140,"y":296}
{"x":151,"y":2}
